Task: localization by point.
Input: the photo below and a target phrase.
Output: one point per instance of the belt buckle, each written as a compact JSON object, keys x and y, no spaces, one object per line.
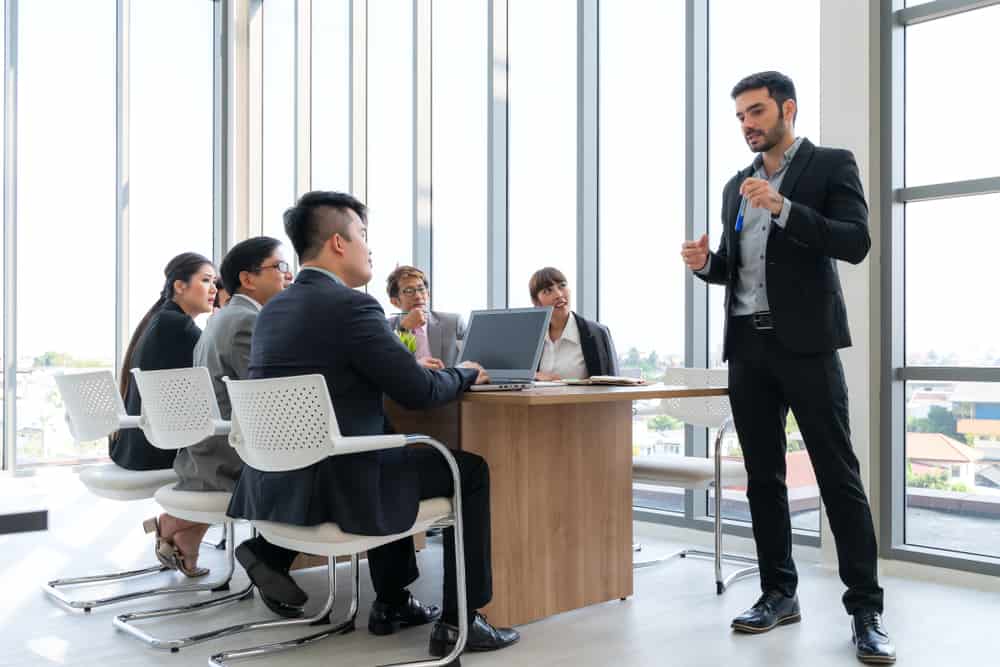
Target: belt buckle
{"x":762,"y":321}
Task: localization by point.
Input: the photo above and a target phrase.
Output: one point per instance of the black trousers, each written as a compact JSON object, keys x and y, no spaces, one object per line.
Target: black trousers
{"x":393,"y":566}
{"x":765,"y":380}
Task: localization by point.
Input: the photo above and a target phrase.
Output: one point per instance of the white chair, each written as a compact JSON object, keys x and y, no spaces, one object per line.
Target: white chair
{"x":95,"y":410}
{"x":179,"y":410}
{"x":692,"y":472}
{"x":284,"y":424}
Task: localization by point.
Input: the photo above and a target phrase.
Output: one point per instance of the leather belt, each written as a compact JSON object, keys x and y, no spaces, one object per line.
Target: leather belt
{"x":762,"y":321}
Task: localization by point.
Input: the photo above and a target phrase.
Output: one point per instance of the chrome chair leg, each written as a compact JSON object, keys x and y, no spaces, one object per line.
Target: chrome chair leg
{"x":53,"y":588}
{"x":322,"y":617}
{"x":220,"y":659}
{"x":126,"y":622}
{"x":717,"y":555}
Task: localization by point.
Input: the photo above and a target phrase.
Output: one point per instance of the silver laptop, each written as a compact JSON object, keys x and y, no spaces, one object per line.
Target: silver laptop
{"x":508,"y":344}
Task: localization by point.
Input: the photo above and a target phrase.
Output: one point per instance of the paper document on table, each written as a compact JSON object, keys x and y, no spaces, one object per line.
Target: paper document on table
{"x":616,"y":380}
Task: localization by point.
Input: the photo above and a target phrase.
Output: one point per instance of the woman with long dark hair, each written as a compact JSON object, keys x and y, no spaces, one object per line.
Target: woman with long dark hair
{"x":165,"y":338}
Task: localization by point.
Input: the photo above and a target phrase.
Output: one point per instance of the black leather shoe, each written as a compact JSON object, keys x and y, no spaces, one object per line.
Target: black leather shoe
{"x":482,"y":637}
{"x":771,"y":610}
{"x":872,"y":641}
{"x":277,"y":589}
{"x":385,"y":618}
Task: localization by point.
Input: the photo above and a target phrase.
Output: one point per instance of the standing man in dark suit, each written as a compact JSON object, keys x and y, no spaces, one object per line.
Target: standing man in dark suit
{"x":786,"y":219}
{"x":322,"y":324}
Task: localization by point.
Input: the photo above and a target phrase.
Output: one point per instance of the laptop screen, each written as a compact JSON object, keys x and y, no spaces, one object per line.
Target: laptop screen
{"x":507,"y":343}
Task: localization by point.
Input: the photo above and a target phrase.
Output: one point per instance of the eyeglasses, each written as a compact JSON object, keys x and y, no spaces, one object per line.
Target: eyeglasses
{"x":281,"y":266}
{"x":410,"y":291}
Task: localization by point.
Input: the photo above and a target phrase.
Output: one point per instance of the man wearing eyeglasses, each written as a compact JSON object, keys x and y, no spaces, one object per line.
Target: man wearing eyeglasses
{"x":437,"y":333}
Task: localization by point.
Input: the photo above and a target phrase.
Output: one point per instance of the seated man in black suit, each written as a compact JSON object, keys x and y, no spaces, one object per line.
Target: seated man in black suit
{"x":321,"y":324}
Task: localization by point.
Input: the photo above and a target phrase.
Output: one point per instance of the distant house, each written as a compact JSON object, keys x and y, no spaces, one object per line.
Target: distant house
{"x":977,"y":406}
{"x":934,"y":453}
{"x":928,"y":395}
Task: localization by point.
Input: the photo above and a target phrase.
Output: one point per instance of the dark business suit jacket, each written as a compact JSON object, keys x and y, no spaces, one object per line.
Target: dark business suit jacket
{"x":598,"y":349}
{"x":168,"y":342}
{"x":828,"y":221}
{"x":319,"y":326}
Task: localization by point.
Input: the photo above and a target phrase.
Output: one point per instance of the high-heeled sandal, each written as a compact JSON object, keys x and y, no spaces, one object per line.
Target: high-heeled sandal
{"x":168,"y":554}
{"x":163,"y":555}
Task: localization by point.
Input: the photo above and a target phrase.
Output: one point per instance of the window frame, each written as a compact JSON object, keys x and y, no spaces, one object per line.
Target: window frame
{"x":895,"y":373}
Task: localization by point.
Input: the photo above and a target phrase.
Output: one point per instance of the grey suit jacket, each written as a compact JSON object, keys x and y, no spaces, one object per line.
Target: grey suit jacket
{"x":444,"y":331}
{"x":224,"y":348}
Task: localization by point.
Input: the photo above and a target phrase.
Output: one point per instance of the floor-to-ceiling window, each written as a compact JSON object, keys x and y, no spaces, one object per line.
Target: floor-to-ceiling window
{"x":943,"y":398}
{"x":542,"y":172}
{"x":460,"y":99}
{"x":277,"y":187}
{"x":65,"y":214}
{"x":643,"y":210}
{"x":390,"y":140}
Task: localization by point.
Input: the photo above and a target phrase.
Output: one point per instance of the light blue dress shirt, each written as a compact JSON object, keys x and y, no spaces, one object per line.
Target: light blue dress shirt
{"x":749,"y":295}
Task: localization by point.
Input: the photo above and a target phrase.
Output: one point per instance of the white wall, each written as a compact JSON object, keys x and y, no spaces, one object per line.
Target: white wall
{"x":845,"y":103}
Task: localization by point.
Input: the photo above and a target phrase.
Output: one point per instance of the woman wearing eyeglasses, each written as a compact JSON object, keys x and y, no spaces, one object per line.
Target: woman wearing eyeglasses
{"x":165,"y":338}
{"x":437,"y":333}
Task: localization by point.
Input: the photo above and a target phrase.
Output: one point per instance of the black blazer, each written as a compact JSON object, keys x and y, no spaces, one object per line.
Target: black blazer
{"x":168,"y":342}
{"x":828,"y":221}
{"x":319,"y":326}
{"x":598,"y":349}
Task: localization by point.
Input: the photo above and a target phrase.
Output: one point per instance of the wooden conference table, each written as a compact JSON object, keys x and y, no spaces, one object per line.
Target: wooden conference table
{"x":561,"y":488}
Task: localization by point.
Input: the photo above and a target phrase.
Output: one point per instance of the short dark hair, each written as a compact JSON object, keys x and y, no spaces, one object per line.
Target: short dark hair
{"x":309,"y":229}
{"x":400,"y":272}
{"x":779,"y":87}
{"x":543,"y":278}
{"x":245,"y":256}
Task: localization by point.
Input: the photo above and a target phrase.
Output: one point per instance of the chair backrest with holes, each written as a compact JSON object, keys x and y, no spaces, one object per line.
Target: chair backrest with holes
{"x":710,"y":411}
{"x":93,"y":405}
{"x":178,"y":406}
{"x":282,"y":423}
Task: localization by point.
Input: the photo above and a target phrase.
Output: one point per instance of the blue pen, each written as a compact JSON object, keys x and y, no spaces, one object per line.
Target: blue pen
{"x":739,"y":214}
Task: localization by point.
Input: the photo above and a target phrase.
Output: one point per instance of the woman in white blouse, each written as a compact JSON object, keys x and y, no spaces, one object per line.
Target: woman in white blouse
{"x":575,"y":347}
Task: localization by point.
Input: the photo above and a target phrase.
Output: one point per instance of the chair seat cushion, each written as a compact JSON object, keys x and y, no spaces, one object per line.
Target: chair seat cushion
{"x":689,"y":472}
{"x":200,"y":506}
{"x":327,"y":539}
{"x":112,"y":481}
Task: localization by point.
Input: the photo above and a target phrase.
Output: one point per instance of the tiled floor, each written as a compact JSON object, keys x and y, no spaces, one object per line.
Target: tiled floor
{"x":674,"y":618}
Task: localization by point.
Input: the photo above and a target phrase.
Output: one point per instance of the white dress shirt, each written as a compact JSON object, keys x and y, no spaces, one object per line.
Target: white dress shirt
{"x":564,"y":357}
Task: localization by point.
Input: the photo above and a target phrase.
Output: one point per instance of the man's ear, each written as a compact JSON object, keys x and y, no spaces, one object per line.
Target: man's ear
{"x":336,"y":244}
{"x":245,"y":282}
{"x":394,"y":300}
{"x":788,"y":110}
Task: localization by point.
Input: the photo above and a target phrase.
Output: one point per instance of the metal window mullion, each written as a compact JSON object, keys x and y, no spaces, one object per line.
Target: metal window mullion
{"x":938,"y":9}
{"x":250,"y":89}
{"x":359,"y":99}
{"x":221,"y":238}
{"x":241,"y":154}
{"x":122,"y":233}
{"x":303,"y":102}
{"x":969,"y":188}
{"x":423,"y":202}
{"x":696,"y":220}
{"x":946,"y":374}
{"x":8,"y":460}
{"x":498,"y":122}
{"x":892,"y":122}
{"x":587,"y":157}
